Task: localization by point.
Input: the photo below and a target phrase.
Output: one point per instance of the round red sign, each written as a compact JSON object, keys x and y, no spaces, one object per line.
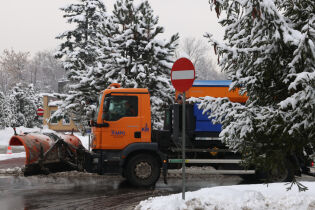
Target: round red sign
{"x":182,"y":74}
{"x":40,"y":112}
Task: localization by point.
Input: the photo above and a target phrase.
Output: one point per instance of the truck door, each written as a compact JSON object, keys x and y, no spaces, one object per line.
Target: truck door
{"x":121,"y":112}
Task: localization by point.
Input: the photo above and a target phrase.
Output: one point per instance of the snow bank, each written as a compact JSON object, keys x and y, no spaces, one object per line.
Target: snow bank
{"x":12,"y":171}
{"x":258,"y":196}
{"x":84,"y":139}
{"x":7,"y":133}
{"x":13,"y":155}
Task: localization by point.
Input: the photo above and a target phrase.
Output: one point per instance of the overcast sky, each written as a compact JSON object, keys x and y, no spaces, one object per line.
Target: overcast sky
{"x":32,"y":25}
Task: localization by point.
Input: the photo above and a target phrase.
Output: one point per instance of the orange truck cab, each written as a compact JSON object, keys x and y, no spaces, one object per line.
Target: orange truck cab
{"x":121,"y":137}
{"x":124,"y":117}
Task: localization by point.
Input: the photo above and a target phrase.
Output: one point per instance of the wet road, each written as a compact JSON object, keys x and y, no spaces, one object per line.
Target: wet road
{"x":76,"y":190}
{"x":12,"y":163}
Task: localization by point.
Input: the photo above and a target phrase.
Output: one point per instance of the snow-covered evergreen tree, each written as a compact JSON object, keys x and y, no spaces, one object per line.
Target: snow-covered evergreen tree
{"x":34,"y":100}
{"x":21,"y":107}
{"x":7,"y":112}
{"x":2,"y":110}
{"x":16,"y":99}
{"x":82,"y":54}
{"x":139,"y":59}
{"x":30,"y":108}
{"x":269,"y":52}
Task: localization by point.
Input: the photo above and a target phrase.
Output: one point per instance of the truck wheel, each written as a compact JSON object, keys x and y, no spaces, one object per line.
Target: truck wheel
{"x":143,"y":170}
{"x":285,"y":176}
{"x":278,"y":175}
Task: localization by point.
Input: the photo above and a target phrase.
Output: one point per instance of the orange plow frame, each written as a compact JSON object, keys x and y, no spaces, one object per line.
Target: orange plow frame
{"x":48,"y":152}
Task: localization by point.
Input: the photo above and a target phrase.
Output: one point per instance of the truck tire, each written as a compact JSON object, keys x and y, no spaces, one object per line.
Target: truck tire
{"x":285,"y":175}
{"x":143,"y":170}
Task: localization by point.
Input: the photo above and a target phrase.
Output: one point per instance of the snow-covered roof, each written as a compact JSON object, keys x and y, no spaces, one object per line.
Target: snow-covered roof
{"x":54,"y":103}
{"x":46,"y":94}
{"x":211,"y":83}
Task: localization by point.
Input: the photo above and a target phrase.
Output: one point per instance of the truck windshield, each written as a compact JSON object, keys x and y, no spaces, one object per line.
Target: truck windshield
{"x":119,"y":107}
{"x":98,"y":107}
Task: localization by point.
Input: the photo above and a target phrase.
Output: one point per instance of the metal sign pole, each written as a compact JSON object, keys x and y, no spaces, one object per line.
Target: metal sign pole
{"x":182,"y":77}
{"x":183,"y":145}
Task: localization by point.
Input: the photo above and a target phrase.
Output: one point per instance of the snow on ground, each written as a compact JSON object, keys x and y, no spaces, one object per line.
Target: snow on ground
{"x":84,"y":139}
{"x":13,"y":155}
{"x":12,"y":171}
{"x":5,"y":135}
{"x":256,"y":196}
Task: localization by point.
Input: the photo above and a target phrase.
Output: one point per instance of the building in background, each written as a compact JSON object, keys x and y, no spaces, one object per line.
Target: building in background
{"x":50,"y":105}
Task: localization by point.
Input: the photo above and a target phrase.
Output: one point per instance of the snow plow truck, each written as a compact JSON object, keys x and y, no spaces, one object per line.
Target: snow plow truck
{"x":123,"y":142}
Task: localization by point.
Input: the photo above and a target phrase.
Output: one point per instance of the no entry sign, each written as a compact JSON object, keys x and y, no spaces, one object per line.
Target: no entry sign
{"x":40,"y":112}
{"x":182,"y":74}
